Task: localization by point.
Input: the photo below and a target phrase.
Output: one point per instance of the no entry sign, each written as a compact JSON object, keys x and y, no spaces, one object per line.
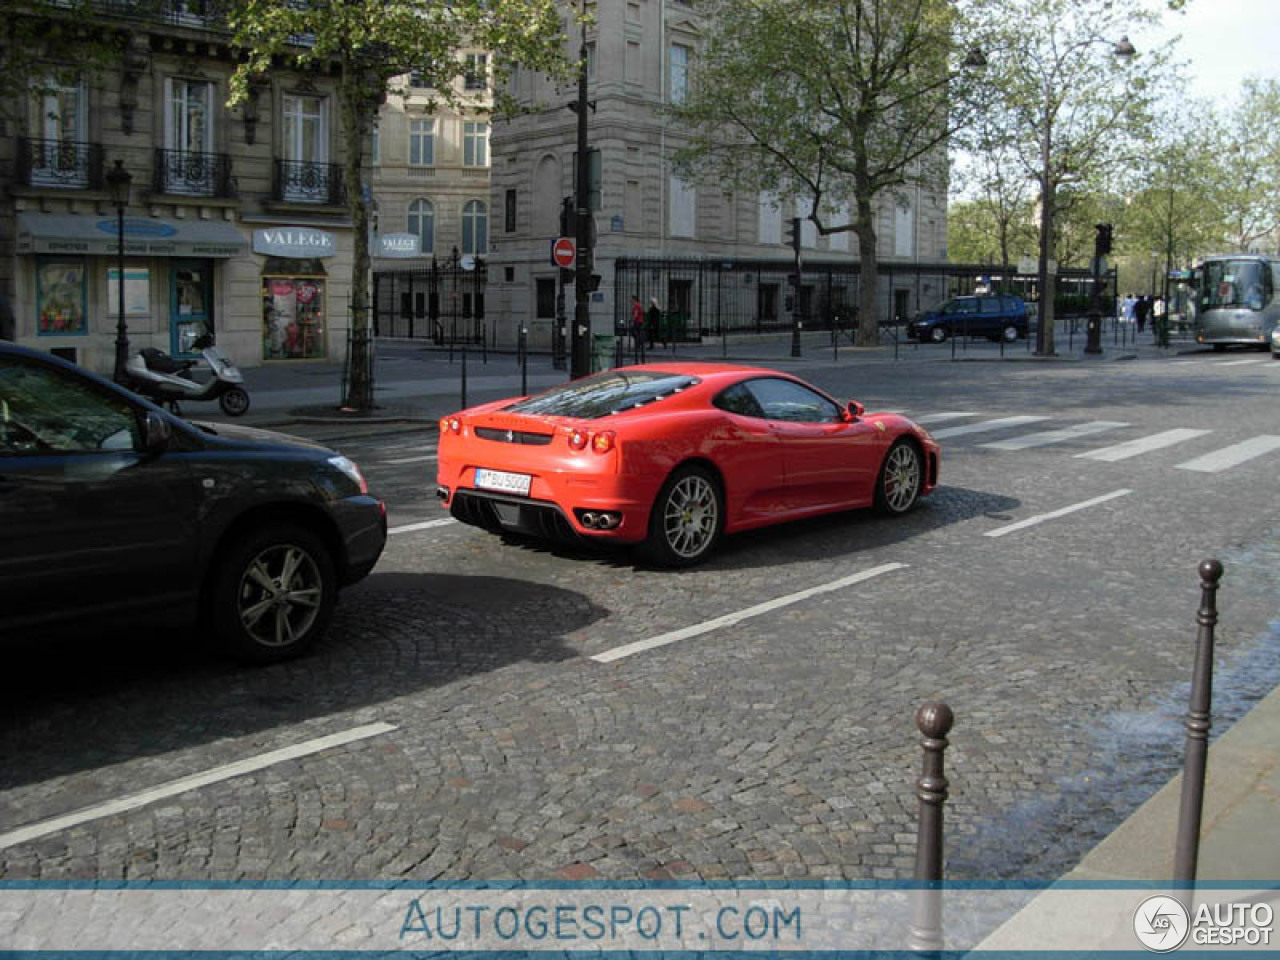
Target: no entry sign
{"x":563,"y":252}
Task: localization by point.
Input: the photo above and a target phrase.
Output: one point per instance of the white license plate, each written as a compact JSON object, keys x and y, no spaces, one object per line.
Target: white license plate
{"x":505,"y":482}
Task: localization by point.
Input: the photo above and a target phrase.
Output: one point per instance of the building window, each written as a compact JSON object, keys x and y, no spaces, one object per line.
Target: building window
{"x":62,"y":158}
{"x":475,"y":144}
{"x":477,"y":72}
{"x":679,"y":78}
{"x":683,"y":212}
{"x":904,"y":234}
{"x":306,"y":129}
{"x":417,"y":80}
{"x":422,"y":142}
{"x":375,"y":146}
{"x":60,"y":297}
{"x":509,"y":211}
{"x":293,"y":317}
{"x":190,"y":116}
{"x":595,"y":190}
{"x":475,"y":228}
{"x":422,"y":224}
{"x":770,"y":218}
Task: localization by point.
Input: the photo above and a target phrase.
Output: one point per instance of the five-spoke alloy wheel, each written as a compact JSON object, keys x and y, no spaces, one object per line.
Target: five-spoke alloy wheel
{"x":274,"y":594}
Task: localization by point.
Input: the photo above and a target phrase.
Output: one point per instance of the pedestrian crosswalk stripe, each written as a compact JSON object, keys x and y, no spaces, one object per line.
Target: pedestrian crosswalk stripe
{"x":1132,"y":448}
{"x":1232,"y":456}
{"x":941,"y":417}
{"x":1245,"y":363}
{"x":1056,"y":436}
{"x":986,"y":426}
{"x":424,"y":525}
{"x":421,"y":458}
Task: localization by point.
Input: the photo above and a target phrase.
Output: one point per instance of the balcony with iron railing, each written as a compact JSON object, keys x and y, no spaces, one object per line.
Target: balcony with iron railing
{"x":185,"y":173}
{"x":64,"y":164}
{"x":307,"y":182}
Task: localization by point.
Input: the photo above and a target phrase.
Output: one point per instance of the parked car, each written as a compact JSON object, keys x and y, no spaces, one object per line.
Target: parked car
{"x":674,"y":456}
{"x":110,"y":507}
{"x":994,"y":316}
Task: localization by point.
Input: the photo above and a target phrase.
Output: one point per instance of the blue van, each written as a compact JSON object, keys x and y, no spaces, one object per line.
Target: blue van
{"x":994,"y":316}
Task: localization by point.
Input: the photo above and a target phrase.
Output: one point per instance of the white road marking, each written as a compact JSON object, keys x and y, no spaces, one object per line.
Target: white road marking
{"x":729,"y":619}
{"x":1245,"y":363}
{"x":1032,"y":521}
{"x":941,"y":417}
{"x":1232,"y":456}
{"x":399,"y":460}
{"x":133,"y":801}
{"x":425,"y":525}
{"x":1056,"y":436}
{"x":985,"y":426}
{"x":1133,"y":448}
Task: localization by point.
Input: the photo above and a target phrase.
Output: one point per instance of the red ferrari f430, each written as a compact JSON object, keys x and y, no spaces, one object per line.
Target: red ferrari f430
{"x":673,"y":456}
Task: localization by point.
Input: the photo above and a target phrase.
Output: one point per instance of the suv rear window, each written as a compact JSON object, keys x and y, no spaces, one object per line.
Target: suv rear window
{"x":605,"y":393}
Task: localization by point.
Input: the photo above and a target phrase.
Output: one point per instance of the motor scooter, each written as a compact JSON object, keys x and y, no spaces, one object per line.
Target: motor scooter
{"x":156,"y":375}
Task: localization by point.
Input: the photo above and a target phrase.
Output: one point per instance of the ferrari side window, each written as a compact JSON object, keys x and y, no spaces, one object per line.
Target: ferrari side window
{"x":789,"y":401}
{"x":738,"y":399}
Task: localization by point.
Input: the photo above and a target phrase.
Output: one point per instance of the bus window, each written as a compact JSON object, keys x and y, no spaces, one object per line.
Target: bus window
{"x":1235,"y":283}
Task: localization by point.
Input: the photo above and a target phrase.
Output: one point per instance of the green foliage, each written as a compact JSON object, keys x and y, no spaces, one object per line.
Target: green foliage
{"x":1248,"y":150}
{"x":368,"y":43}
{"x":836,"y":102}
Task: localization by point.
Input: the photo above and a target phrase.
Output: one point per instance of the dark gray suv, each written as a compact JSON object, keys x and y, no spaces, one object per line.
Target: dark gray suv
{"x":111,"y":509}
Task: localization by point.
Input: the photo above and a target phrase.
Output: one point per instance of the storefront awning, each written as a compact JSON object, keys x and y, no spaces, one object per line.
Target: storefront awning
{"x":69,"y":233}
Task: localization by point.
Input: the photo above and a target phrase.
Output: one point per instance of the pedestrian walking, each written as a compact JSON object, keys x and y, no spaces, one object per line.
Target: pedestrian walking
{"x":1142,"y":310}
{"x":1128,"y":309}
{"x":655,"y":323}
{"x":637,"y":323}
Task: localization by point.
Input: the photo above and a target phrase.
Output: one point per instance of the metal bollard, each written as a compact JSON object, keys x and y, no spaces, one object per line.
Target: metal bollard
{"x":934,"y":720}
{"x":1198,"y":723}
{"x":464,"y":375}
{"x":524,"y":361}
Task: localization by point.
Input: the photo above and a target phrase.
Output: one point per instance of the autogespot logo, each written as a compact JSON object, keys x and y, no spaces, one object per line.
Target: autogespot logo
{"x":1161,"y":924}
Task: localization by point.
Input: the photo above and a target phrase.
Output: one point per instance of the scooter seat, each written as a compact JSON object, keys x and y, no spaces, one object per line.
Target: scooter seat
{"x":161,"y":362}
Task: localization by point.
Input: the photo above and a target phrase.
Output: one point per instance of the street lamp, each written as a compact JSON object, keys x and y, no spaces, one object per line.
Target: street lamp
{"x":579,"y":341}
{"x":119,"y":184}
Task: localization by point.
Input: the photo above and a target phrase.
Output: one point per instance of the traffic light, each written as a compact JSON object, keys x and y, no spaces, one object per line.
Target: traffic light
{"x":793,"y":234}
{"x":1102,"y":241}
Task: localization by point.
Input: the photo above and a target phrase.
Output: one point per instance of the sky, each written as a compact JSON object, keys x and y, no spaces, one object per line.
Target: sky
{"x":1224,"y":41}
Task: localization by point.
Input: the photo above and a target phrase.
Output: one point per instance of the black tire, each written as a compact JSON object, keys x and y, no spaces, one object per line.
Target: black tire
{"x":938,"y":334}
{"x":1219,"y":348}
{"x":900,"y":479}
{"x":297,"y":617}
{"x":687,"y":518}
{"x":1010,"y":333}
{"x":234,"y":402}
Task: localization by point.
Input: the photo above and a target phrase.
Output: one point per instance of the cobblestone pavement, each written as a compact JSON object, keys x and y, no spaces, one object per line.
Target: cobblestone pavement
{"x":781,"y":747}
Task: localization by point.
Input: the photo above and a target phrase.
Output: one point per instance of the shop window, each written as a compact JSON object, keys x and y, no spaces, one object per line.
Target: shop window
{"x":293,"y":310}
{"x":60,"y":296}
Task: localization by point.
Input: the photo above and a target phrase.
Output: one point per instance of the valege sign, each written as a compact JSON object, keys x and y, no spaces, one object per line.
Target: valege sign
{"x":298,"y":242}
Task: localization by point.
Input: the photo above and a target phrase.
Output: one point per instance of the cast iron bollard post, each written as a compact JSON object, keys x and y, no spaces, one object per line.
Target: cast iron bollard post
{"x":1198,"y":723}
{"x":524,"y":361}
{"x":934,"y":720}
{"x":464,"y":374}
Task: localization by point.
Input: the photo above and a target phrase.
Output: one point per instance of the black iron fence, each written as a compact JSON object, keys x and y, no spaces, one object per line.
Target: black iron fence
{"x":442,"y":302}
{"x":307,"y":182}
{"x":701,"y":298}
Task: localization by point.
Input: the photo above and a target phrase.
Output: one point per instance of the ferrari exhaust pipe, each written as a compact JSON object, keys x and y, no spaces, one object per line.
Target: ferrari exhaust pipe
{"x":607,"y":521}
{"x":589,"y":520}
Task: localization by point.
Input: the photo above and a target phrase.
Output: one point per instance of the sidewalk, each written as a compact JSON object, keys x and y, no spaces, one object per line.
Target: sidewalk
{"x":417,"y":382}
{"x":1239,"y":837}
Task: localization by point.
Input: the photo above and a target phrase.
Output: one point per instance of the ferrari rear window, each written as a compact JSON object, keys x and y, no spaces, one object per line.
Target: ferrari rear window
{"x":611,"y":392}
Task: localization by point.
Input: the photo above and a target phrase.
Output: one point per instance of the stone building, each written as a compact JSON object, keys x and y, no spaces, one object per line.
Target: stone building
{"x":236,"y":224}
{"x":640,"y":56}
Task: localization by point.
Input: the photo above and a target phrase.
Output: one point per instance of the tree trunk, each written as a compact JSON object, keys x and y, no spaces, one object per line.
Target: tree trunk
{"x":869,"y":273}
{"x":360,"y":361}
{"x":1047,"y":278}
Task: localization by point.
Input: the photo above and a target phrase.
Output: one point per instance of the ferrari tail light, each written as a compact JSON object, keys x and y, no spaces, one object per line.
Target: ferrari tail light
{"x":451,"y":425}
{"x":578,"y":439}
{"x":603,"y":442}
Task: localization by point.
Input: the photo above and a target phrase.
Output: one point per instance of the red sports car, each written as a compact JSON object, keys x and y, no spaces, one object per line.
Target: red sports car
{"x":674,"y":455}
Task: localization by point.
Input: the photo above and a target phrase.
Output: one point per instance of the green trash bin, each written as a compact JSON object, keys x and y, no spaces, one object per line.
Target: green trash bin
{"x":603,"y":346}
